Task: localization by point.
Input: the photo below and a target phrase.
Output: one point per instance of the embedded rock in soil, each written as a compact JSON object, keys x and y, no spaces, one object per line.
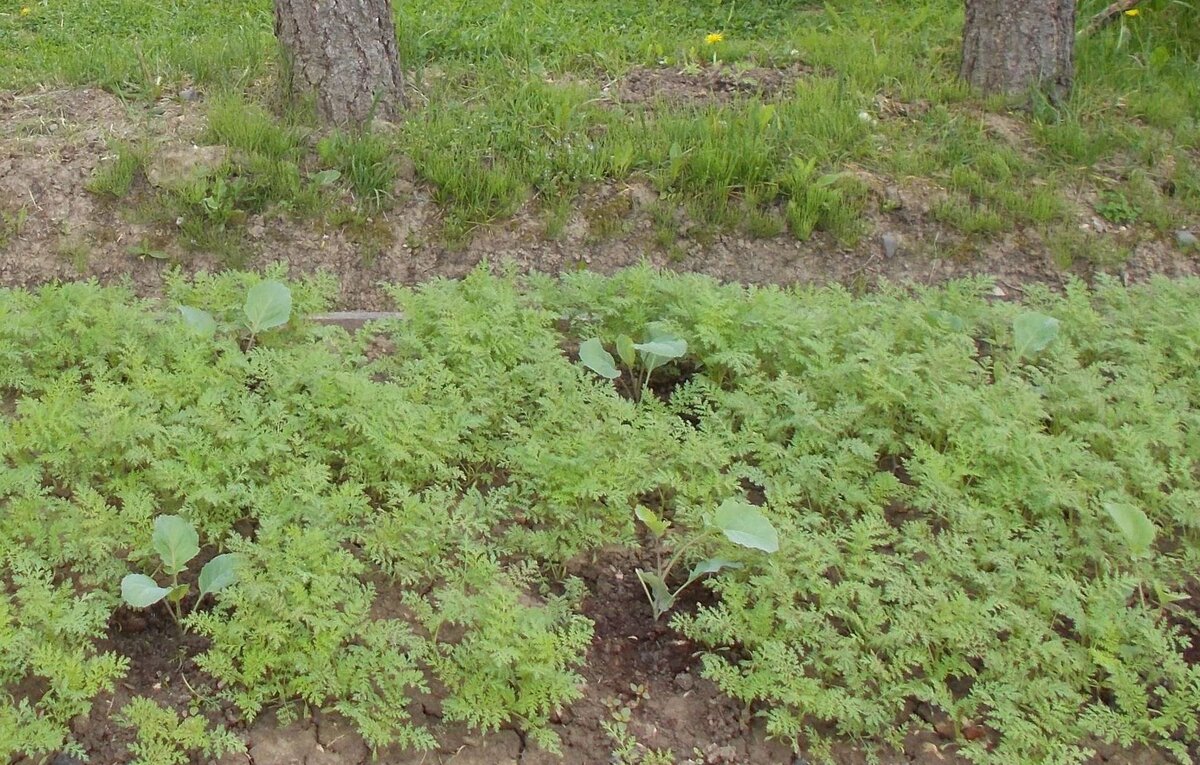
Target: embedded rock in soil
{"x":181,"y":166}
{"x":336,"y":734}
{"x":294,"y":744}
{"x":891,"y":243}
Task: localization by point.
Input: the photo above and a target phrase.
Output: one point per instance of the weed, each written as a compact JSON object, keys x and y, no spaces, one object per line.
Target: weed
{"x":1114,"y":207}
{"x":75,"y":251}
{"x":11,"y":224}
{"x":820,"y":202}
{"x":115,"y":177}
{"x":365,"y":161}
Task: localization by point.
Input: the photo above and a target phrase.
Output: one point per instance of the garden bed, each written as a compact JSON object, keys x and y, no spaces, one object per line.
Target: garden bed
{"x":926,"y":524}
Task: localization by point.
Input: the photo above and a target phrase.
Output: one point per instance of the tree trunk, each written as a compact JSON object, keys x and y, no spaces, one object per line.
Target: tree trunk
{"x":343,"y":55}
{"x":1018,"y":46}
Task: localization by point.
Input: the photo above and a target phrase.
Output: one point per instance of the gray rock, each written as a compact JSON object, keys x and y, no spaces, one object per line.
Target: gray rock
{"x":189,"y":94}
{"x":179,"y":166}
{"x":1186,"y":239}
{"x":641,"y":196}
{"x":891,"y":244}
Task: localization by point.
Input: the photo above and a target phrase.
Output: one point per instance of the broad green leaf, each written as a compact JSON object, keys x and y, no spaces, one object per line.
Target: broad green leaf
{"x":1033,"y":333}
{"x":177,"y":593}
{"x":268,"y":305}
{"x":711,"y":566}
{"x":176,"y":541}
{"x":665,"y":348}
{"x":661,"y":598}
{"x":626,"y":351}
{"x":657,"y":525}
{"x":140,"y":591}
{"x":1138,"y":529}
{"x":744,"y":525}
{"x":661,"y":349}
{"x":327,"y":177}
{"x":600,"y":361}
{"x":219,"y":573}
{"x":829,"y":179}
{"x":200,"y":322}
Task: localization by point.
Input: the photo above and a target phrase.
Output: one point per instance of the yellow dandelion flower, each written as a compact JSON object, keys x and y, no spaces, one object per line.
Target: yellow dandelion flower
{"x":713,"y":38}
{"x":1132,"y":12}
{"x":25,"y":11}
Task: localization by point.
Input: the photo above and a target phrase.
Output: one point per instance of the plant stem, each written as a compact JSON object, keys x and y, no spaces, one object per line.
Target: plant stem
{"x":679,"y":552}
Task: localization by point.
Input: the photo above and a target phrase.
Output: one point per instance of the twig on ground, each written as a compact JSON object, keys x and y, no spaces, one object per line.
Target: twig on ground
{"x":1108,"y":14}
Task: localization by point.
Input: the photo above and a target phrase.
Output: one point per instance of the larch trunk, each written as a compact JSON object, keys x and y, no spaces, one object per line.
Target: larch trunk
{"x":1016,"y":47}
{"x":343,"y":55}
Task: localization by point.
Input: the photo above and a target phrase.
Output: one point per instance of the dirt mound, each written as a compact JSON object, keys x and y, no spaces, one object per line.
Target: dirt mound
{"x":707,"y":84}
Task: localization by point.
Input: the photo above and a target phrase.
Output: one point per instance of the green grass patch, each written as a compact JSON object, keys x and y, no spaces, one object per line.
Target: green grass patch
{"x":510,"y":107}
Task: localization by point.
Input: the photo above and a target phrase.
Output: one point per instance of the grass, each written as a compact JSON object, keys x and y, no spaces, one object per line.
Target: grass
{"x":509,"y":108}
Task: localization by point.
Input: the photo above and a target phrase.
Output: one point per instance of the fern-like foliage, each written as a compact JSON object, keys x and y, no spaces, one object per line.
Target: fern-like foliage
{"x":941,"y":469}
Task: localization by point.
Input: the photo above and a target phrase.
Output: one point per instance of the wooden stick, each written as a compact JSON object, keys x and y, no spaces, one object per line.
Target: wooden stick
{"x":1108,"y":14}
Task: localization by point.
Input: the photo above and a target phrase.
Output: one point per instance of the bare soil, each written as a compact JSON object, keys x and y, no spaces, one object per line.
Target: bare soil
{"x":52,"y":228}
{"x":705,"y":84}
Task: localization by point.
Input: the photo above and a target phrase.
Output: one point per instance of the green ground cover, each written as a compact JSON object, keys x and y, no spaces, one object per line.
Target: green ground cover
{"x":508,"y":105}
{"x":986,"y":507}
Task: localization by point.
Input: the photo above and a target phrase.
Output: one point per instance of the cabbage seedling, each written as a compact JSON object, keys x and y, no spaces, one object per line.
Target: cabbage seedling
{"x":739,"y":522}
{"x":647,"y":356}
{"x":176,"y":542}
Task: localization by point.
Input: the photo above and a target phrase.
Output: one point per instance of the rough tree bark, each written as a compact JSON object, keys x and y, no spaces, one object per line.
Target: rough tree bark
{"x":343,"y":55}
{"x":1017,"y":46}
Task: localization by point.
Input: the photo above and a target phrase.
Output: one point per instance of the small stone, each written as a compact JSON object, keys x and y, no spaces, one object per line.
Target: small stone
{"x":406,"y":169}
{"x":1186,"y":239}
{"x":973,"y":731}
{"x":62,"y":758}
{"x":381,"y":126}
{"x":893,"y":198}
{"x":189,"y":94}
{"x":684,"y":681}
{"x":891,"y":244}
{"x":999,"y":292}
{"x":179,"y":166}
{"x":641,"y":196}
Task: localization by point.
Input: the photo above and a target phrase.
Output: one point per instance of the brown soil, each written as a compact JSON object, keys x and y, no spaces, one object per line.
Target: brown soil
{"x":710,"y":84}
{"x":53,"y":228}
